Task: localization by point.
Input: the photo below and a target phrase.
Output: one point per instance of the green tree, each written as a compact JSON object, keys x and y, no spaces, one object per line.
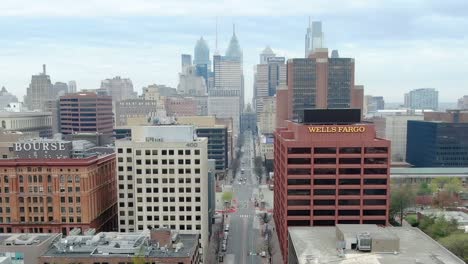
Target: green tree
{"x":258,"y":167}
{"x":424,"y":189}
{"x":458,"y":244}
{"x":227,"y":196}
{"x":451,"y":185}
{"x":400,"y":199}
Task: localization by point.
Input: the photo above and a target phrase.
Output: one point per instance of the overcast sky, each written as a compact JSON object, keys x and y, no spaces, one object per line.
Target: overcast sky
{"x":398,"y":45}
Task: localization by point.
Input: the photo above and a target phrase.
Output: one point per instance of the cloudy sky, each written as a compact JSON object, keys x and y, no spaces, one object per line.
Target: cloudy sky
{"x":398,"y":45}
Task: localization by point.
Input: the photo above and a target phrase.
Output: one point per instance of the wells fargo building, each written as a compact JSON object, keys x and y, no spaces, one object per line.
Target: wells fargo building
{"x":329,"y":173}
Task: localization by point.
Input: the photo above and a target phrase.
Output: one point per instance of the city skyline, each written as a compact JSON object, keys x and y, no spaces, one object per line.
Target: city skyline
{"x":125,"y":39}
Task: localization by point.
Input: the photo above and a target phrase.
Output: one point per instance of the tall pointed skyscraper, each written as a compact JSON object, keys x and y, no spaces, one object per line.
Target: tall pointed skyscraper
{"x":202,"y":53}
{"x":234,"y":51}
{"x":314,"y":37}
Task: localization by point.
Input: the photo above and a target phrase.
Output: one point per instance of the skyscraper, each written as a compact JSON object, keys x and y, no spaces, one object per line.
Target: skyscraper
{"x":314,"y":38}
{"x":234,"y":51}
{"x":6,"y":98}
{"x":186,"y":60}
{"x":119,"y":88}
{"x":39,"y":91}
{"x":266,"y":54}
{"x":72,"y":86}
{"x":319,"y":82}
{"x":202,"y":53}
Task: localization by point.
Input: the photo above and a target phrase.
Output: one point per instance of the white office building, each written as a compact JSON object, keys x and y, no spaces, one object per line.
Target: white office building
{"x":162,"y":180}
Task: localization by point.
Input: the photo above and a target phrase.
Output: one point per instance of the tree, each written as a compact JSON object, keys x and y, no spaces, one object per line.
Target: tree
{"x":400,"y":199}
{"x":424,"y":189}
{"x":457,"y":244}
{"x":227,"y":196}
{"x":258,"y":168}
{"x":265,"y":218}
{"x":451,"y":185}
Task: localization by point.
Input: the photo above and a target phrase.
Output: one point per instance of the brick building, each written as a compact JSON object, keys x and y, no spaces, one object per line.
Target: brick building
{"x":180,"y":106}
{"x":45,"y":189}
{"x":329,"y":173}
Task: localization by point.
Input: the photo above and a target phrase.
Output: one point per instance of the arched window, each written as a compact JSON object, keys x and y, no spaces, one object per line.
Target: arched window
{"x":21,"y":179}
{"x":3,"y":124}
{"x":5,"y":179}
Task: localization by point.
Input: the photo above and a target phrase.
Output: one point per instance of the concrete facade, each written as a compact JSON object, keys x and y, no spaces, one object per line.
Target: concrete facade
{"x":27,"y":122}
{"x":180,"y":106}
{"x":163,"y":180}
{"x":21,"y":248}
{"x":134,"y":108}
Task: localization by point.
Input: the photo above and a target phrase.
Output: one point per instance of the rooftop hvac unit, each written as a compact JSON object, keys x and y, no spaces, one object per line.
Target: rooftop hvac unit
{"x":364,"y":242}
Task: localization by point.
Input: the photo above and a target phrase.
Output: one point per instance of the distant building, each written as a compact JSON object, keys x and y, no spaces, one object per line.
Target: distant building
{"x":65,"y":184}
{"x":314,"y":38}
{"x":132,"y":108}
{"x":53,"y":106}
{"x":372,"y":104}
{"x":225,"y":104}
{"x":149,"y":246}
{"x":180,"y":106}
{"x":39,"y":91}
{"x":437,"y":144}
{"x":154,"y":91}
{"x":266,"y":54}
{"x":330,"y":169}
{"x":202,"y":105}
{"x":449,"y":116}
{"x":36,"y":123}
{"x":119,"y":88}
{"x":319,"y":82}
{"x":463,"y":102}
{"x":59,"y":89}
{"x":202,"y":54}
{"x":169,"y":182}
{"x":248,"y":120}
{"x":6,"y":98}
{"x":72,"y":87}
{"x":364,"y":244}
{"x":87,"y":113}
{"x":266,"y":118}
{"x":423,"y":98}
{"x":186,"y":61}
{"x":190,"y":83}
{"x":394,"y":128}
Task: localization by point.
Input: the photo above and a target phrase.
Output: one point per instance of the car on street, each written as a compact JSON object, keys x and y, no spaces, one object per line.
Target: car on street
{"x":226,"y":228}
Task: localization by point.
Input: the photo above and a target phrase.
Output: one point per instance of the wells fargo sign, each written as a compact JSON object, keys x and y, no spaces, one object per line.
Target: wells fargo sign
{"x":337,"y":129}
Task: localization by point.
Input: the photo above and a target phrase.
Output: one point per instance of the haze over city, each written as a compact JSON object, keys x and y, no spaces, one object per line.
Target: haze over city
{"x":397,"y":45}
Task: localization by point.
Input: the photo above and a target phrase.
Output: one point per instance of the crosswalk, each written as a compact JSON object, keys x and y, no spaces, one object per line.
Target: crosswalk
{"x":245,"y":216}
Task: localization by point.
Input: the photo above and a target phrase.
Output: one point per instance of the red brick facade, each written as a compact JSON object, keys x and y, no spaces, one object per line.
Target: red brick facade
{"x":329,"y":174}
{"x":57,"y":195}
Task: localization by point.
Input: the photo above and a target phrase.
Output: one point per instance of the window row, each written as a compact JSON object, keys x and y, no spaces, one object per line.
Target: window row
{"x":340,"y":181}
{"x":351,"y":202}
{"x":340,"y":192}
{"x":334,"y":212}
{"x":342,"y":150}
{"x":163,"y":152}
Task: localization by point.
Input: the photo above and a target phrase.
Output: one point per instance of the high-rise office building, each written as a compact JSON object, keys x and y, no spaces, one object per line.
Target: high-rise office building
{"x":72,"y":87}
{"x":163,"y":181}
{"x":226,"y":99}
{"x":86,"y":113}
{"x":186,"y":61}
{"x":319,"y":82}
{"x":372,"y":104}
{"x":191,"y":83}
{"x":39,"y":91}
{"x":202,"y":53}
{"x":54,"y":186}
{"x":266,"y":54}
{"x":329,"y":174}
{"x":423,"y":98}
{"x":437,"y":144}
{"x":59,"y":89}
{"x":119,"y":88}
{"x":268,"y":76}
{"x":314,"y":38}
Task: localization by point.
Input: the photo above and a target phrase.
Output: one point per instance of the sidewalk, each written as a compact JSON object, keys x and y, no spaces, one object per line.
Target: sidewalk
{"x":213,"y":244}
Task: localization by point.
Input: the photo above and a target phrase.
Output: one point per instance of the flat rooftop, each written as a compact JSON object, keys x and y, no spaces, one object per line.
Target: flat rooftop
{"x":319,"y":245}
{"x":113,"y":244}
{"x":24,"y":239}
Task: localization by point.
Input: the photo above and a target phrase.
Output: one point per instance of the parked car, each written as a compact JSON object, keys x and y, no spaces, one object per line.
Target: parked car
{"x":226,"y":228}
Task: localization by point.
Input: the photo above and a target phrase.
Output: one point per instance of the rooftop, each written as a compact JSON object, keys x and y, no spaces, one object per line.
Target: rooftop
{"x":428,"y":172}
{"x":320,"y":244}
{"x":114,"y":244}
{"x":17,"y":239}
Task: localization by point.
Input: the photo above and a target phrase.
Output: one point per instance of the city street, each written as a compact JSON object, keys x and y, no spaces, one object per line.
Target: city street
{"x":243,"y":239}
